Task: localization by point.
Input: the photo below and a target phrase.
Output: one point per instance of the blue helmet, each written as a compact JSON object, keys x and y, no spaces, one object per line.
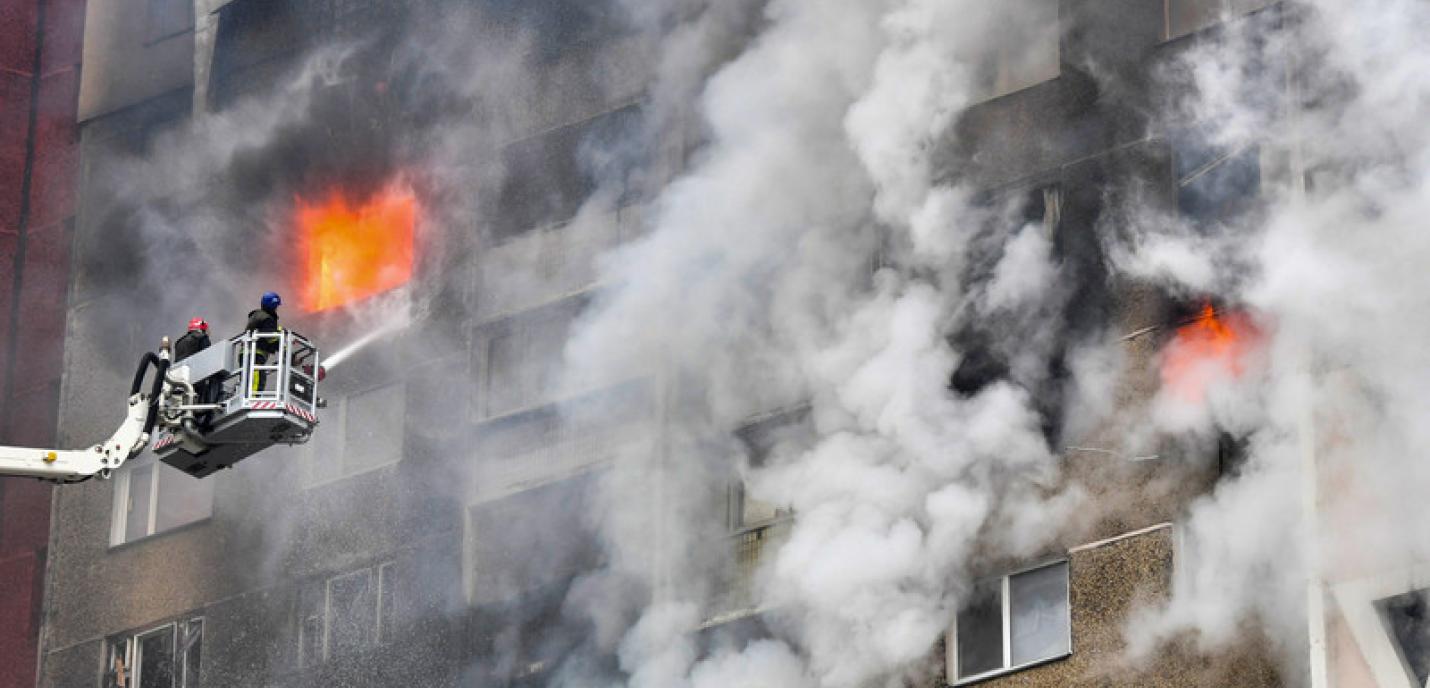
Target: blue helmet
{"x":270,"y":301}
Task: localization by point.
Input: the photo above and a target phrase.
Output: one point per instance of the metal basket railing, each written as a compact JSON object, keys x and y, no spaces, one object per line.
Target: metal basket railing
{"x":271,"y":363}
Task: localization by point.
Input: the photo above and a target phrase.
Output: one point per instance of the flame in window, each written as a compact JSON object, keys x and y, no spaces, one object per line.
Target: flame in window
{"x":1214,"y":346}
{"x":355,"y":249}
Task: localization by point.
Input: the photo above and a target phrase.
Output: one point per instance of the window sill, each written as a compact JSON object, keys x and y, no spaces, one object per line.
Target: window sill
{"x":154,"y":536}
{"x":1010,"y":670}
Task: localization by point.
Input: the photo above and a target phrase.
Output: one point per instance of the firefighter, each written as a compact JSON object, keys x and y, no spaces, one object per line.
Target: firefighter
{"x":264,"y":319}
{"x":193,"y":341}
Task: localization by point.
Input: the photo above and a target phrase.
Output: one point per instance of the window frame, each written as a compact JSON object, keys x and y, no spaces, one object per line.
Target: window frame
{"x":133,"y":655}
{"x":119,"y":508}
{"x":1358,"y":603}
{"x":373,"y":637}
{"x":524,"y":327}
{"x":336,"y":422}
{"x":1005,"y":606}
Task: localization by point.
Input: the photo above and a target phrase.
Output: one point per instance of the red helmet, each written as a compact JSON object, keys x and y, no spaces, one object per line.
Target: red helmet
{"x":198,"y":324}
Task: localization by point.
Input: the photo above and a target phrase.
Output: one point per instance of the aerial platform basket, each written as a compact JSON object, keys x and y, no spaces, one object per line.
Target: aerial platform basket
{"x":248,"y":393}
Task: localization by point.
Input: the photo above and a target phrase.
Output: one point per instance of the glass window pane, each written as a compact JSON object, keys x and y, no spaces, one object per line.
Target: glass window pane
{"x":182,"y":498}
{"x":136,"y":511}
{"x":191,"y":649}
{"x":352,"y":612}
{"x":373,"y":430}
{"x":1407,"y":617}
{"x":156,"y":659}
{"x":1038,"y":612}
{"x":980,"y":631}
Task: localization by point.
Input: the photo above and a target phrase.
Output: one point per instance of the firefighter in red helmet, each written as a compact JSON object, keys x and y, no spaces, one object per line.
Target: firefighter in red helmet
{"x":193,"y":341}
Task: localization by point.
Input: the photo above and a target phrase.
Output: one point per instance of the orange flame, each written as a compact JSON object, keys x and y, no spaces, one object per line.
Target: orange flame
{"x":1214,"y":346}
{"x":351,"y":252}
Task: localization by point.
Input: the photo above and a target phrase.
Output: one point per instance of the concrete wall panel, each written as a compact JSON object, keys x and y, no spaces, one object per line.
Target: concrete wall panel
{"x":24,"y":519}
{"x":19,"y":604}
{"x":14,"y":135}
{"x":17,"y":35}
{"x":53,"y":180}
{"x":64,"y":34}
{"x":41,"y":333}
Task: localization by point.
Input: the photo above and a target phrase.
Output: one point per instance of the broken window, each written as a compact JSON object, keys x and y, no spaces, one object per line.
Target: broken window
{"x":1188,"y":16}
{"x":1012,"y":622}
{"x":151,"y":497}
{"x":1407,"y":619}
{"x":165,"y":657}
{"x":345,"y":615}
{"x":1025,"y":49}
{"x":546,"y":178}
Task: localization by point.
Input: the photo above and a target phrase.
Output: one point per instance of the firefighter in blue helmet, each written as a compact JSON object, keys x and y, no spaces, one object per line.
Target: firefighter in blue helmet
{"x":264,"y":319}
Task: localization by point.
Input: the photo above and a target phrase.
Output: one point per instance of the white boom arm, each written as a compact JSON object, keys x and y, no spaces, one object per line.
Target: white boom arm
{"x":73,"y":465}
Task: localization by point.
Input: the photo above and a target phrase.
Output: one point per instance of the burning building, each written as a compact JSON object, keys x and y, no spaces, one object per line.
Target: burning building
{"x":702,"y":344}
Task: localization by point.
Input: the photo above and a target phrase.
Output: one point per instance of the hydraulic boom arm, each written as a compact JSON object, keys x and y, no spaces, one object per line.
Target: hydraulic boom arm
{"x":74,"y":465}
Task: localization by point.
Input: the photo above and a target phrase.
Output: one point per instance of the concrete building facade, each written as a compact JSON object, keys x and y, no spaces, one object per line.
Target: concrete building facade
{"x":397,"y":547}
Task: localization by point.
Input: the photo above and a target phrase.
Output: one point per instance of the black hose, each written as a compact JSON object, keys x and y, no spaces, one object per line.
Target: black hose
{"x":160,"y":370}
{"x":145,"y":361}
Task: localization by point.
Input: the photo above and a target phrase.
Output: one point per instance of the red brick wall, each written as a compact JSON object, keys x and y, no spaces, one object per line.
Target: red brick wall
{"x":40,"y":43}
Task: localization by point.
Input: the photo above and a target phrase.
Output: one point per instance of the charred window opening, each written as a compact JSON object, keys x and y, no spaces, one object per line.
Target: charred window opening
{"x":548,"y":177}
{"x":982,"y":345}
{"x":1231,"y":454}
{"x":168,"y":656}
{"x":1407,"y":620}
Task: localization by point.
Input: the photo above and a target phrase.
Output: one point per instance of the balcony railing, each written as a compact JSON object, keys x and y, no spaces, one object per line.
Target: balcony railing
{"x":746,"y":551}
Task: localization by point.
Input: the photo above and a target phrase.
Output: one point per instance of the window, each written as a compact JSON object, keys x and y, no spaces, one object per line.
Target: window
{"x":1188,"y":16}
{"x":547,"y":178}
{"x":1012,"y":622}
{"x":168,"y":18}
{"x":360,"y":432}
{"x":342,"y":616}
{"x":1027,"y":48}
{"x":165,"y":657}
{"x":522,"y":361}
{"x":1407,"y":619}
{"x":1215,"y":184}
{"x":510,"y":553}
{"x":151,"y":497}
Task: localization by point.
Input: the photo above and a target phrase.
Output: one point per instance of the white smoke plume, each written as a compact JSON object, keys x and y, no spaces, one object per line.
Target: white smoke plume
{"x":1334,"y":94}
